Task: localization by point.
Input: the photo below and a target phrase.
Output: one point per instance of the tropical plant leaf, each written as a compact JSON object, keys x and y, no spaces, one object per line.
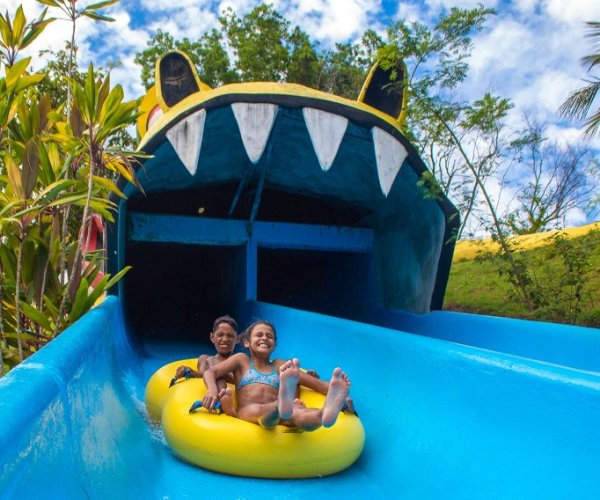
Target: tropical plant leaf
{"x":14,"y":177}
{"x":16,"y":71}
{"x":28,"y":81}
{"x":18,"y":25}
{"x":51,"y":191}
{"x":51,"y":3}
{"x":73,"y":198}
{"x":103,"y":92}
{"x":36,"y":316}
{"x":9,"y":262}
{"x":80,"y":300}
{"x":96,"y":16}
{"x":30,"y":169}
{"x":117,"y":277}
{"x":100,"y":5}
{"x":100,"y":288}
{"x":50,"y":306}
{"x":5,"y":30}
{"x":109,"y":185}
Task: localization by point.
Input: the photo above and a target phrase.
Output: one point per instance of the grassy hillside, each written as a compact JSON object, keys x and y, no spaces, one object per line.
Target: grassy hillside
{"x":476,"y":286}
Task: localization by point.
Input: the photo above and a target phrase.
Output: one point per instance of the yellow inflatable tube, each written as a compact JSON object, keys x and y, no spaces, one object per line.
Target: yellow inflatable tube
{"x":233,"y":446}
{"x":158,"y":385}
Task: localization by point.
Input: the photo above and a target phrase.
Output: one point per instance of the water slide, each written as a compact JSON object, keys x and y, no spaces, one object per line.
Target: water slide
{"x":340,"y":250}
{"x":442,"y":419}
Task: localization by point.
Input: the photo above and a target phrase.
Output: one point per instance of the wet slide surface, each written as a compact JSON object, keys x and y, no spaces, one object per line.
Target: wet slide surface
{"x":442,"y":420}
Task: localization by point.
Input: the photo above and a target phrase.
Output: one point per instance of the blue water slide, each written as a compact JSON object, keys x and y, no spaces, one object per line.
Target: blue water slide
{"x":442,"y":419}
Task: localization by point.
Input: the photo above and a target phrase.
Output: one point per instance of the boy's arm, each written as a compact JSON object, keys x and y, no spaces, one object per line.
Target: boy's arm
{"x":191,"y":373}
{"x":231,"y":365}
{"x":313,"y":383}
{"x":202,"y":365}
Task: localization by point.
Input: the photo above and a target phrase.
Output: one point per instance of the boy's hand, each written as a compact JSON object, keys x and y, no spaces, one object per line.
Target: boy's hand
{"x":183,"y":371}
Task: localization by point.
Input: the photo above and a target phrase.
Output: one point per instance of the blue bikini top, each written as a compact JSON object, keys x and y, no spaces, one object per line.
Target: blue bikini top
{"x":253,"y":376}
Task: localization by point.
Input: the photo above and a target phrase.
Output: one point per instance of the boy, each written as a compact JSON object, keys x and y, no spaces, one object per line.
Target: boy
{"x":224,"y":338}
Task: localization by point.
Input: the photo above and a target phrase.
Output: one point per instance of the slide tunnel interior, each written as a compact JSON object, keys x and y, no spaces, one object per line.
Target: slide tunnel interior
{"x":304,"y":255}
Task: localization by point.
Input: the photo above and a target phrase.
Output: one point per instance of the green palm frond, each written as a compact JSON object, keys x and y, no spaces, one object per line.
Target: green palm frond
{"x":579,"y":103}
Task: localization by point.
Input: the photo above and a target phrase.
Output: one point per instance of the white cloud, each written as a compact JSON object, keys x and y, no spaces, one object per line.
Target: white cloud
{"x":543,"y":94}
{"x":122,"y":75}
{"x":190,"y":22}
{"x":572,"y":11}
{"x":525,"y":7}
{"x":410,"y":12}
{"x":331,"y":21}
{"x":501,"y":49}
{"x":568,"y":135}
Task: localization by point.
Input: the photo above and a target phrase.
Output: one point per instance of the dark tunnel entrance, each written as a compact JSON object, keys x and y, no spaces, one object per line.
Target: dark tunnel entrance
{"x":175,"y":291}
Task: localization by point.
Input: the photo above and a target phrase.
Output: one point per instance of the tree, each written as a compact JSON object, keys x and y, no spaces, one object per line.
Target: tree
{"x":98,"y":113}
{"x":579,"y":102}
{"x":552,"y":180}
{"x":265,"y":47}
{"x":16,"y":34}
{"x":259,"y":41}
{"x":469,"y":138}
{"x":460,"y":140}
{"x":72,"y":13}
{"x":50,"y":161}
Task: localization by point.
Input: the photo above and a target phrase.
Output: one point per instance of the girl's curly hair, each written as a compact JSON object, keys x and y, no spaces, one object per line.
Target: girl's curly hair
{"x":245,"y":335}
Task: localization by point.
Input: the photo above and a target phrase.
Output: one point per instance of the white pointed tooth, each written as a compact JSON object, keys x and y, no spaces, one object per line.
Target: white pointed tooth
{"x":255,"y":121}
{"x":389,"y":155}
{"x":326,"y":132}
{"x":186,"y":139}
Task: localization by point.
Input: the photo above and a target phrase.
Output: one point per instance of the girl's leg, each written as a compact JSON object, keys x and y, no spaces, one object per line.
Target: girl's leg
{"x":289,"y":374}
{"x":265,"y":415}
{"x":339,"y":386}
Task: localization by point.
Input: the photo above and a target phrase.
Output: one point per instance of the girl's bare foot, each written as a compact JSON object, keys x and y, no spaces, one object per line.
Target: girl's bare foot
{"x":289,"y":374}
{"x":339,"y":386}
{"x":299,"y":404}
{"x":226,"y":399}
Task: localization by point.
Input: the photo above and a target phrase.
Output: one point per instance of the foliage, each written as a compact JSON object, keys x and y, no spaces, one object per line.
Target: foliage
{"x":16,"y":34}
{"x":563,"y":275}
{"x":51,"y":163}
{"x":580,"y":102}
{"x":265,"y":47}
{"x":557,"y":178}
{"x":466,"y":144}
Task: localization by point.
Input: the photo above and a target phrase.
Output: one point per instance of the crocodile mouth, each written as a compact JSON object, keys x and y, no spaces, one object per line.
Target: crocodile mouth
{"x":306,"y":136}
{"x":326,"y":167}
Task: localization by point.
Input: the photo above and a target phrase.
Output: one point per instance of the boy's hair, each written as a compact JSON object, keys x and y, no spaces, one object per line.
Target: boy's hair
{"x":248,"y":331}
{"x":225,"y":319}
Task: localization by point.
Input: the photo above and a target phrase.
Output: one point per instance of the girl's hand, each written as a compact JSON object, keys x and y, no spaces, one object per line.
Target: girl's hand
{"x":210,"y":399}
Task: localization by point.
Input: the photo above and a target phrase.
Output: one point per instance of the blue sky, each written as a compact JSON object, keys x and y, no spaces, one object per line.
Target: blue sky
{"x":529,"y":52}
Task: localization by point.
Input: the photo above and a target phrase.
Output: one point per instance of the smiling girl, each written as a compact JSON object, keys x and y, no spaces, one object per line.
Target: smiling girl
{"x":266,"y":389}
